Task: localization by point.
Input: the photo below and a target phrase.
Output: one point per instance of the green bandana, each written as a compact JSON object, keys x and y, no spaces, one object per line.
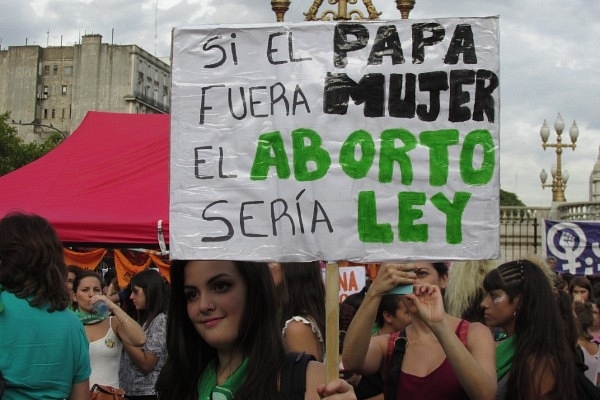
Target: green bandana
{"x":89,"y":319}
{"x":207,"y":384}
{"x":505,"y":352}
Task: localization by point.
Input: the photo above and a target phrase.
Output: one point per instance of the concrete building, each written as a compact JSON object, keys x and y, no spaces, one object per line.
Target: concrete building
{"x":51,"y":89}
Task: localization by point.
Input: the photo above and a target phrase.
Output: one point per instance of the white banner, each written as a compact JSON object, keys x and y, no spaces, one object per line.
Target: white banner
{"x":352,"y":280}
{"x":361,"y":141}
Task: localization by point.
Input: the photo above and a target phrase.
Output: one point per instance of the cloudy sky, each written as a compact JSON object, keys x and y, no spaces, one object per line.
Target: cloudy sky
{"x":549,"y":61}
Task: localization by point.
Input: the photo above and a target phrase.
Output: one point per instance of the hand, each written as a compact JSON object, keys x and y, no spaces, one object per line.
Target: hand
{"x":392,"y":274}
{"x":428,"y":301}
{"x":337,"y":389}
{"x":101,"y":297}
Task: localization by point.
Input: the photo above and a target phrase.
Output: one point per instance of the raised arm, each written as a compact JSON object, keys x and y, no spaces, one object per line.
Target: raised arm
{"x":361,"y":352}
{"x":475,"y":364}
{"x":128,"y":330}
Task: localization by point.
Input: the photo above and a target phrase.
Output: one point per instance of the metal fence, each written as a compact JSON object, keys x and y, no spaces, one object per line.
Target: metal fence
{"x":521,"y":228}
{"x":521,"y":231}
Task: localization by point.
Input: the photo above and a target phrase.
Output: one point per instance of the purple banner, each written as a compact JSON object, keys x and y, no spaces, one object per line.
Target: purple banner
{"x":574,"y":244}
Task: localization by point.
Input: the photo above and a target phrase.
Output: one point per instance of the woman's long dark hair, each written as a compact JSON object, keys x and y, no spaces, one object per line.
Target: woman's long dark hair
{"x":303,"y":292}
{"x":155,"y":290}
{"x":259,"y":338}
{"x":540,"y":342}
{"x":32,"y":261}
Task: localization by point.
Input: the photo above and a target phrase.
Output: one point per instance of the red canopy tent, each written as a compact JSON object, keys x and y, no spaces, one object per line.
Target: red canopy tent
{"x":105,"y":185}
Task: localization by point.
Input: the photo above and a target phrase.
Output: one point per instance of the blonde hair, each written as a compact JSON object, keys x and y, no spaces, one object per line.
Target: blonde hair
{"x":465,"y":281}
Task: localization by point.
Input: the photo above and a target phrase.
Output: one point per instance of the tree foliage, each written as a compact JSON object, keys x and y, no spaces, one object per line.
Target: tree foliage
{"x":14,"y":152}
{"x":510,"y":199}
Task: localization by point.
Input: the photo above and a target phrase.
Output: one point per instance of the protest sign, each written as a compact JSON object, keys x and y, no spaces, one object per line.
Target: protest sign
{"x":352,"y":280}
{"x":575,"y":245}
{"x":362,"y":141}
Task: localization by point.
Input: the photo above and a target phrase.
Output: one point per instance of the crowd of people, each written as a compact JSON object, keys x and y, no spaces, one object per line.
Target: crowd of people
{"x":224,"y":330}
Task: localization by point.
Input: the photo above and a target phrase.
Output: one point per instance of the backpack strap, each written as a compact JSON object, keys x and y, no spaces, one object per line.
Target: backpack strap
{"x":395,"y":354}
{"x":293,"y":375}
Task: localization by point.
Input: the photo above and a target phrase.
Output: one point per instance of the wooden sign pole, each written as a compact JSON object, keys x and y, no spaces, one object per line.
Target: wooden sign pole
{"x":332,"y":327}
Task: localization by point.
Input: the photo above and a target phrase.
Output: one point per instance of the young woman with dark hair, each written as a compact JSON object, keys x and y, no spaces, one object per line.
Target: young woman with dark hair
{"x":531,"y":364}
{"x":392,"y":315}
{"x":106,"y":333}
{"x":224,"y":339}
{"x":446,"y":357}
{"x":580,"y":289}
{"x":589,"y":348}
{"x":43,"y":348}
{"x":301,"y":296}
{"x":140,"y":366}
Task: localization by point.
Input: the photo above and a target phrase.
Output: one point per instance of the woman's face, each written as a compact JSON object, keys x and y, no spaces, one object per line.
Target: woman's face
{"x":426,"y":273}
{"x":88,"y":287}
{"x":499,"y":311}
{"x":580,"y":294}
{"x":138,"y":297}
{"x":400,"y":319}
{"x":216,"y":297}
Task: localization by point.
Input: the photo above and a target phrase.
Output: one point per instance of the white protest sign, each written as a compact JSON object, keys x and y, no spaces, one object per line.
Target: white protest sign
{"x":352,"y":280}
{"x":360,"y":141}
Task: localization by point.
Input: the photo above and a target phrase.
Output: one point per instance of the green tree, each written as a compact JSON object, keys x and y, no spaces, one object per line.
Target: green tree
{"x":14,"y":152}
{"x":510,"y":199}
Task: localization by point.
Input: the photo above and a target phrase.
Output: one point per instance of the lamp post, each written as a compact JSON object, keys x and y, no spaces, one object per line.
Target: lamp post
{"x":280,"y":7}
{"x":559,"y":176}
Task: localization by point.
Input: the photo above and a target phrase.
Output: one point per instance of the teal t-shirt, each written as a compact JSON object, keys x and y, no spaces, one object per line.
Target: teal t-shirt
{"x":42,"y":354}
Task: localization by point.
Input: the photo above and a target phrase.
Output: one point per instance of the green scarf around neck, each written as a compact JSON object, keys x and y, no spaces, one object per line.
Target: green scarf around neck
{"x":207,"y":384}
{"x":505,"y":352}
{"x":89,"y":319}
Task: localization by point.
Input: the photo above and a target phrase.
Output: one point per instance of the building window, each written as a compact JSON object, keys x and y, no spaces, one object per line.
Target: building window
{"x":53,"y":113}
{"x":55,"y":70}
{"x":45,"y":113}
{"x":140,"y":77}
{"x":63,"y":113}
{"x":64,"y":91}
{"x":68,"y":70}
{"x":45,"y":91}
{"x":46,"y":70}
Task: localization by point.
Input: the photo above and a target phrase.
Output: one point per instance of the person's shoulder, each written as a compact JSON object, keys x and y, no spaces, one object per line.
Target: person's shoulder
{"x":478,"y":333}
{"x":297,"y":325}
{"x":162,"y":317}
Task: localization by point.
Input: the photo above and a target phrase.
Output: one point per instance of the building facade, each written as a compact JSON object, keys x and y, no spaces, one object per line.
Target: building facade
{"x":51,"y":89}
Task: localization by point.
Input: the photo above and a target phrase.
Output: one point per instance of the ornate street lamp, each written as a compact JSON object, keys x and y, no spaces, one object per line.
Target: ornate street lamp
{"x":280,"y":7}
{"x":559,"y":176}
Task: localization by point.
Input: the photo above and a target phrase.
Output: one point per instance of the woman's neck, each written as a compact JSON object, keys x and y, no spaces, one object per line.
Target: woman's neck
{"x":227,"y":362}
